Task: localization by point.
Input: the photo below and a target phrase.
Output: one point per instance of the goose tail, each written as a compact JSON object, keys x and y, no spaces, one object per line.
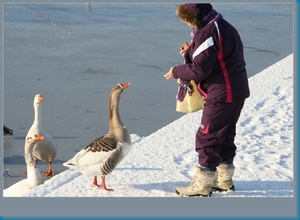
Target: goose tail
{"x":69,"y":164}
{"x":73,"y":162}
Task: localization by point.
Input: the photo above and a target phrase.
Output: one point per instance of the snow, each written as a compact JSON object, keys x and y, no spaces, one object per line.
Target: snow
{"x":163,"y":160}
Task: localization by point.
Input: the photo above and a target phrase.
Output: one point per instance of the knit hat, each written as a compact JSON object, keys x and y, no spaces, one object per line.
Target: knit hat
{"x":193,"y":12}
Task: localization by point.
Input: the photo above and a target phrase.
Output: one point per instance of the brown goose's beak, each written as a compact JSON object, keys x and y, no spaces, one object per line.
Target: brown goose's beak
{"x":125,"y":85}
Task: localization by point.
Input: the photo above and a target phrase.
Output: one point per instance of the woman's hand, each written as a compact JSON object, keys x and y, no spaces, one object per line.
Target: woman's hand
{"x":169,"y":75}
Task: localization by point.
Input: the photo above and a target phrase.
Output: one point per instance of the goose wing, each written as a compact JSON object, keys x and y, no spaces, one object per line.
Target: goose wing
{"x":104,"y":143}
{"x":95,"y":153}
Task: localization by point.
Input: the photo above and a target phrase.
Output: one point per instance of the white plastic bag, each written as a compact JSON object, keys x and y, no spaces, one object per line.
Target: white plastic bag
{"x":192,"y":102}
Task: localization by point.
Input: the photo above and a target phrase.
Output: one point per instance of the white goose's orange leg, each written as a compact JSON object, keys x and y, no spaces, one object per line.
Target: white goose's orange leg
{"x":49,"y":172}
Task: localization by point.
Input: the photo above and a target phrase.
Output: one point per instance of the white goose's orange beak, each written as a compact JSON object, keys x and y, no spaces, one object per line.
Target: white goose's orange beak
{"x":38,"y":137}
{"x":40,"y":98}
{"x":125,"y":85}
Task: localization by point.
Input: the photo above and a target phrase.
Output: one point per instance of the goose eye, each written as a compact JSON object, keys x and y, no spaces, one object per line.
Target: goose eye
{"x":120,"y":86}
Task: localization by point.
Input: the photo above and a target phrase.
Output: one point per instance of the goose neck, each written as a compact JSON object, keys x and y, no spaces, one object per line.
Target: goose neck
{"x":38,"y":114}
{"x":117,"y":127}
{"x":28,"y":154}
{"x":33,"y":174}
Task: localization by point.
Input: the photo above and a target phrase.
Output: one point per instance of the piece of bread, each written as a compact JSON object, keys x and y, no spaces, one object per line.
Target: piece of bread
{"x":185,"y":45}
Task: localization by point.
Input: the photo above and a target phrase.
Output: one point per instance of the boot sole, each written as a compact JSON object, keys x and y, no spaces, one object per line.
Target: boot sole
{"x":195,"y":195}
{"x":223,"y":190}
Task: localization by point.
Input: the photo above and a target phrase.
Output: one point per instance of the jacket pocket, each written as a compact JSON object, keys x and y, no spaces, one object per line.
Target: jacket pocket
{"x":202,"y":91}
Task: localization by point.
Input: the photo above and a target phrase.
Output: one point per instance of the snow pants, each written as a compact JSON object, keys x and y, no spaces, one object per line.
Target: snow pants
{"x":216,"y":134}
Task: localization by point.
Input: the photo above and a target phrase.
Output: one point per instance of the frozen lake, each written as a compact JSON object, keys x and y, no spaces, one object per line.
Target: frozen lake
{"x":73,"y":54}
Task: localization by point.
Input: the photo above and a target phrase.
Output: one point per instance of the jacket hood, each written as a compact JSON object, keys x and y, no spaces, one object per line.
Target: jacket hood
{"x":193,"y":12}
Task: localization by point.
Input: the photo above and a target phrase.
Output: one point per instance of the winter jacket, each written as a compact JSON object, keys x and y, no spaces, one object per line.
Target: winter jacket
{"x":215,"y":60}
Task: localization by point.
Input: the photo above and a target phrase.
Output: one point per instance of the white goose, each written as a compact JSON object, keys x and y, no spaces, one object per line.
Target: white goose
{"x":106,"y":152}
{"x":45,"y":150}
{"x":34,"y":176}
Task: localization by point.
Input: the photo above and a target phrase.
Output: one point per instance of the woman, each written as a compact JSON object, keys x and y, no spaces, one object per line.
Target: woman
{"x":215,"y":61}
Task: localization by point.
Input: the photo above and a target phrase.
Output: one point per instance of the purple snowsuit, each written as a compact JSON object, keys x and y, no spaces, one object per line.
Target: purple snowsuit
{"x":215,"y":60}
